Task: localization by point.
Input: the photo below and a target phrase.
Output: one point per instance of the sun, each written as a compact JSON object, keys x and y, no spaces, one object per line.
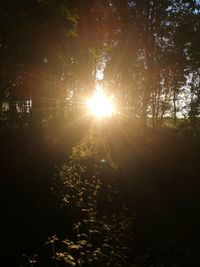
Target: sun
{"x":100,"y":105}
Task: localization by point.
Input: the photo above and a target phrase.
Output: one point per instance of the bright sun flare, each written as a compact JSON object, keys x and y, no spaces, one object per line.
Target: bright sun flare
{"x":100,"y":105}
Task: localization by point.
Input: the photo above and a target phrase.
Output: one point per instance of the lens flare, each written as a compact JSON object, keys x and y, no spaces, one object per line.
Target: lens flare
{"x":100,"y":105}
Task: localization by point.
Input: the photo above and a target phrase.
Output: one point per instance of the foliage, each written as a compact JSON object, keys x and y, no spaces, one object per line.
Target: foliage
{"x":151,"y":55}
{"x":51,"y":54}
{"x":88,"y":188}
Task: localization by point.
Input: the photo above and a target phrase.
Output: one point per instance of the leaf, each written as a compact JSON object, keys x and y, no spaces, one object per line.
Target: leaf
{"x":82,"y":242}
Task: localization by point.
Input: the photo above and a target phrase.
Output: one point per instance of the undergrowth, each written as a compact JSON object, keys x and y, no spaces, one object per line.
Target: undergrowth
{"x":88,"y":187}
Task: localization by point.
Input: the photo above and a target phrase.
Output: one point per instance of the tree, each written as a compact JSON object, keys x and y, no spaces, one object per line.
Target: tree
{"x":148,"y":60}
{"x":34,"y":39}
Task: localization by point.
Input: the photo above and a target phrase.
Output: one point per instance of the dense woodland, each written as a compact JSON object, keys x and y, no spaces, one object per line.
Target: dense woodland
{"x":123,"y":191}
{"x":53,"y":52}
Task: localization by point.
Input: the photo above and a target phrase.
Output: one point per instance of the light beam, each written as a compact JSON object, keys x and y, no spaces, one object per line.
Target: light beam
{"x":100,"y":105}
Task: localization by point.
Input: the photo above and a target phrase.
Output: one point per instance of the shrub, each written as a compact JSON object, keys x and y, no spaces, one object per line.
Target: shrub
{"x":88,"y":187}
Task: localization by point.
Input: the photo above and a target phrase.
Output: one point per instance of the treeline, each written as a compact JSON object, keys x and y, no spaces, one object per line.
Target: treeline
{"x":52,"y":53}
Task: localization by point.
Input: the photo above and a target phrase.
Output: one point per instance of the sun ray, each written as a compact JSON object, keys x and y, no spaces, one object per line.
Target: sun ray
{"x":100,"y":105}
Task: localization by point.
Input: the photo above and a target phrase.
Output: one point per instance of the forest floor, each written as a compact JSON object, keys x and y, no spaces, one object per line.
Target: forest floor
{"x":159,"y":168}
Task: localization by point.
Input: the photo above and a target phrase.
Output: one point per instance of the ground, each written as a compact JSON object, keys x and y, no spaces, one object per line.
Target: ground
{"x":158,"y":168}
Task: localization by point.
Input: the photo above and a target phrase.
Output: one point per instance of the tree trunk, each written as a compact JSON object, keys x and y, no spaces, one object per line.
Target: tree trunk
{"x":175,"y":108}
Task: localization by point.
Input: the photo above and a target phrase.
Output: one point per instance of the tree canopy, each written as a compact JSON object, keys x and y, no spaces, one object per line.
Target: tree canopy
{"x":147,"y":52}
